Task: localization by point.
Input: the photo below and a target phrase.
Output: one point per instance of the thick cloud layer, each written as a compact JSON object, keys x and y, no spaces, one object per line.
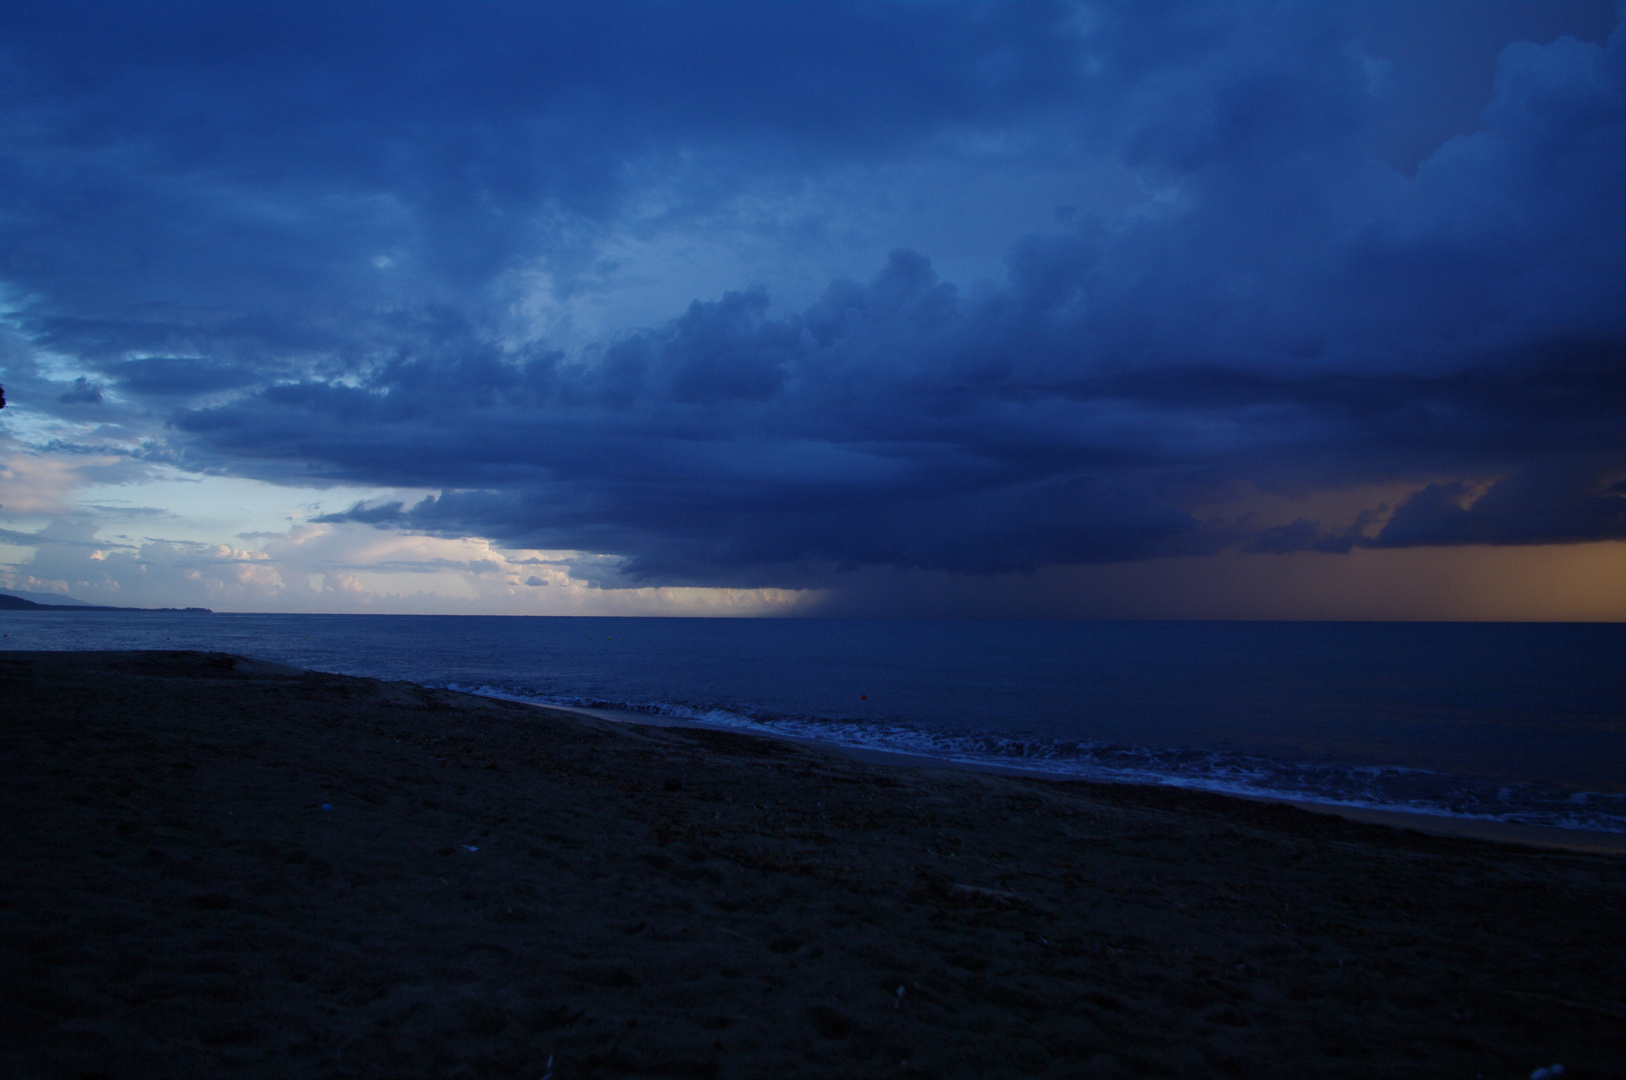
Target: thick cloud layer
{"x":302,"y":243}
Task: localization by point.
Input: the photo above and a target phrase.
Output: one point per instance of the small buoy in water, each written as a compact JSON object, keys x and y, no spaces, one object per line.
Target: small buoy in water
{"x":863,"y":697}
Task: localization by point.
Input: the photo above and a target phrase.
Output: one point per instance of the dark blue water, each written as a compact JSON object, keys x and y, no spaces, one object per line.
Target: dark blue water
{"x":1516,"y":722}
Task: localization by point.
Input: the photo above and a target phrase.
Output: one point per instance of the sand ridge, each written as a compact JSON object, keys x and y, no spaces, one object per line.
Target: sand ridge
{"x":216,"y":866}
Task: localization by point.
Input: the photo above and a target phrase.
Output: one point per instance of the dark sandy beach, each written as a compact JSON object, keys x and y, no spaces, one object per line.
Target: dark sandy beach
{"x":215,"y":867}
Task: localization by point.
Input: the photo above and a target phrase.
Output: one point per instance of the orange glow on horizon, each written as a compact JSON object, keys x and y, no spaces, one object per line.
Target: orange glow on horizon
{"x":1549,"y":583}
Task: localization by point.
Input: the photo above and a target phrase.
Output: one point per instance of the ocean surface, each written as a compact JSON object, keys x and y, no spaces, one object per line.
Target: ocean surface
{"x":1520,"y":722}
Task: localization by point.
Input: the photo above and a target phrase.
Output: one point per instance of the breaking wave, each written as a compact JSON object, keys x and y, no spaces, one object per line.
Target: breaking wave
{"x":1379,"y":787}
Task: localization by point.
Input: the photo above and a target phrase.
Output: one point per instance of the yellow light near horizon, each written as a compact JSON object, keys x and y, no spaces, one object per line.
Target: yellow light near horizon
{"x":1546,"y":583}
{"x":1568,"y":582}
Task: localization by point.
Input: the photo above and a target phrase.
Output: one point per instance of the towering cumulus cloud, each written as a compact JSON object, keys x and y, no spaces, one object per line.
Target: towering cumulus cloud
{"x":756,"y":295}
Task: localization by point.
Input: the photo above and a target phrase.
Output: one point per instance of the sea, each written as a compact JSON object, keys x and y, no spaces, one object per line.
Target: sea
{"x":1512,"y":722}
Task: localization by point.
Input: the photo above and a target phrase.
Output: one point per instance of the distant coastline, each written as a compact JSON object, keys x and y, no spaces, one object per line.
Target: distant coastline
{"x":13,"y":602}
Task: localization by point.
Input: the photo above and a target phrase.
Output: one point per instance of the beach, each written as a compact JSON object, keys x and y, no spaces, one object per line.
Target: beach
{"x":217,"y":866}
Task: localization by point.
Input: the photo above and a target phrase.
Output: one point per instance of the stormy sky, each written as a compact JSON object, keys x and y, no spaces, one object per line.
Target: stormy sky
{"x":1096,"y":309}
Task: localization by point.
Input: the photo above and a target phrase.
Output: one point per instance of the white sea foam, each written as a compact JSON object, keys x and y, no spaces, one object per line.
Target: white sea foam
{"x":1360,"y":786}
{"x":1516,"y":723}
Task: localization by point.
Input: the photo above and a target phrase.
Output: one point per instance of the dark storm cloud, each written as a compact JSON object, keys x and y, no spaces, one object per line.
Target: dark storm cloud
{"x":180,"y":376}
{"x":1534,"y":506}
{"x":252,"y":155}
{"x":282,"y":227}
{"x":82,"y":392}
{"x":863,"y":454}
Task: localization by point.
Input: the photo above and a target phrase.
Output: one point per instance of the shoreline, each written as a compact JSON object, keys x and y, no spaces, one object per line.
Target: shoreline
{"x":1503,"y":832}
{"x":217,"y":866}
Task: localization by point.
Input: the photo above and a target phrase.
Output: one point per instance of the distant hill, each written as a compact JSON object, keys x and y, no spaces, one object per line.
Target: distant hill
{"x":44,"y":599}
{"x":8,"y":602}
{"x":12,"y":602}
